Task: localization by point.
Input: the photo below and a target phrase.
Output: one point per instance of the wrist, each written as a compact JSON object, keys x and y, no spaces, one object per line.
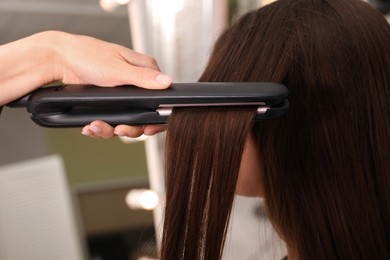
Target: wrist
{"x":50,"y":62}
{"x":29,"y":63}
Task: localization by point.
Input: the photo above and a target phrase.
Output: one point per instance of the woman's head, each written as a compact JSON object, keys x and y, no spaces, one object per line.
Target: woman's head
{"x":326,"y":172}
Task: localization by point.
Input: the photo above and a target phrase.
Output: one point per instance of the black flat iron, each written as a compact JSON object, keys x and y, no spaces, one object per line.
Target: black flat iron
{"x":79,"y":105}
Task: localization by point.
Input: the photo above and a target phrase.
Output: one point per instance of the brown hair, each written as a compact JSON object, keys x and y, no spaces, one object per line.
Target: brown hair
{"x":326,"y":163}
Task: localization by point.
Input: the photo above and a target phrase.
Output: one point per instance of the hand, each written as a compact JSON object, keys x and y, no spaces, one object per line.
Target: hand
{"x":86,"y":60}
{"x":42,"y":58}
{"x":50,"y":56}
{"x":105,"y":64}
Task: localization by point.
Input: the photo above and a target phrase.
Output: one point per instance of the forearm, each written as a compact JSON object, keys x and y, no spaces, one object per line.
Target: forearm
{"x":25,"y":65}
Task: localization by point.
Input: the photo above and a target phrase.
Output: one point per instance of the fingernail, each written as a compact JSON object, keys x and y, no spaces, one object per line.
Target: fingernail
{"x":163,"y":79}
{"x":96,"y":129}
{"x":85,"y":132}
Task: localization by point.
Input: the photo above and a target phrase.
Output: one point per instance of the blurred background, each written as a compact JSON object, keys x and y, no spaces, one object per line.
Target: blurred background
{"x":66,"y":196}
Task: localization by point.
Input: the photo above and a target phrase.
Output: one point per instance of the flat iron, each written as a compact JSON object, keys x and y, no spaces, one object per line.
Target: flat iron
{"x":79,"y":105}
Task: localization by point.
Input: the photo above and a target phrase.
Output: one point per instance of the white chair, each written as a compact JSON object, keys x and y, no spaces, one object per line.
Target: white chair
{"x":37,"y":220}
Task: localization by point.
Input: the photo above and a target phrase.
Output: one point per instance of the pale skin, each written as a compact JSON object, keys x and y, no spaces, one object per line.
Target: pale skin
{"x":249,"y":182}
{"x":42,"y":58}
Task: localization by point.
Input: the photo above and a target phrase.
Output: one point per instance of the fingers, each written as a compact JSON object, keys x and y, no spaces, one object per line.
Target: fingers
{"x":100,"y":129}
{"x":144,"y":77}
{"x":136,"y":131}
{"x":141,"y":70}
{"x":145,"y":71}
{"x":154,"y":129}
{"x":87,"y":60}
{"x":138,"y":59}
{"x":129,"y":131}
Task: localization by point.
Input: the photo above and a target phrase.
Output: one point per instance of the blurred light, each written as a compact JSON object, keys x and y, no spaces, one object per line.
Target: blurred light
{"x":122,"y":2}
{"x":142,"y":199}
{"x":108,"y":5}
{"x":129,"y":140}
{"x":111,"y":5}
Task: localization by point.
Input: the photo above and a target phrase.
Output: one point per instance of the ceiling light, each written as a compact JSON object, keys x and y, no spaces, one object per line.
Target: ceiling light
{"x":108,"y":5}
{"x":142,"y":199}
{"x":111,"y":5}
{"x":122,"y":2}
